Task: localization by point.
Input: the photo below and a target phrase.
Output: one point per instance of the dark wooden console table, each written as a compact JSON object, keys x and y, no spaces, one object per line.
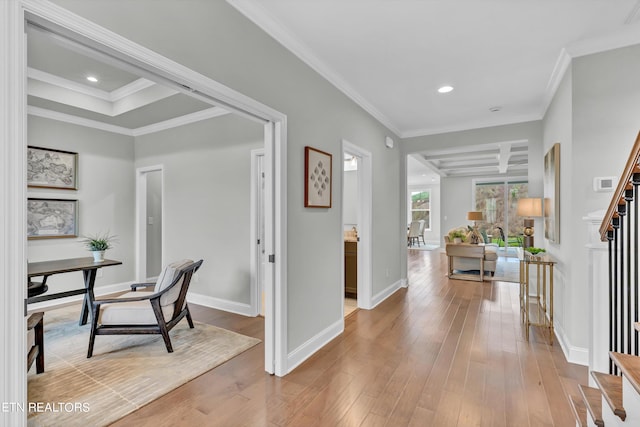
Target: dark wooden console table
{"x":89,"y":270}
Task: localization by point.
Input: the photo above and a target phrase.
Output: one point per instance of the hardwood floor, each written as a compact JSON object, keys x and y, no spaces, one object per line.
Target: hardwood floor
{"x":440,"y":353}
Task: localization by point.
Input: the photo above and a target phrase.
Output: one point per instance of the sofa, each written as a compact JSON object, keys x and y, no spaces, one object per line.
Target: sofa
{"x":464,"y":260}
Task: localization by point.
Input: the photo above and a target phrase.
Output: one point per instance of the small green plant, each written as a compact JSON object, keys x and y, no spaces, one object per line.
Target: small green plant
{"x":99,"y":242}
{"x":457,"y":233}
{"x":534,"y":251}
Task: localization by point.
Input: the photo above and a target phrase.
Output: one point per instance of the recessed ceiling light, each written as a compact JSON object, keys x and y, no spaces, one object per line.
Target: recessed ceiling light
{"x":445,"y":89}
{"x":92,"y":79}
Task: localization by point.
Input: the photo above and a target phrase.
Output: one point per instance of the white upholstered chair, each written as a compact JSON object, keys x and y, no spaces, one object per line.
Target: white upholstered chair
{"x":154,"y":312}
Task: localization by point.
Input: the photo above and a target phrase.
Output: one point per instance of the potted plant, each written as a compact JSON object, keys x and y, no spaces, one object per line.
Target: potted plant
{"x":457,"y":235}
{"x":98,"y":244}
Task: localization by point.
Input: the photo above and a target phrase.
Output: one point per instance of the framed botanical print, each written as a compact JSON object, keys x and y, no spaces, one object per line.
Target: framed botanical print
{"x":49,"y":168}
{"x":317,"y":174}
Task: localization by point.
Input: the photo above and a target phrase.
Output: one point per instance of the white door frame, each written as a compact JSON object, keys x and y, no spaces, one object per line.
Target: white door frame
{"x":255,"y":267}
{"x":13,"y":143}
{"x":365,"y":228}
{"x":141,"y":219}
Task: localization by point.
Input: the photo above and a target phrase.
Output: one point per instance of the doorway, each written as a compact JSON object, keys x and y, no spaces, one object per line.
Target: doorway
{"x":149,"y":196}
{"x":51,"y":17}
{"x":257,"y":233}
{"x":357,"y":194}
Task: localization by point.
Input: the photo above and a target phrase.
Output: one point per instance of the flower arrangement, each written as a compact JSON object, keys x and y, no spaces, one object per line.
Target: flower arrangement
{"x":458,"y":233}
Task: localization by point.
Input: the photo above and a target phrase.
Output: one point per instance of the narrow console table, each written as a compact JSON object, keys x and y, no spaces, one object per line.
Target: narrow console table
{"x":89,"y":270}
{"x":536,"y":312}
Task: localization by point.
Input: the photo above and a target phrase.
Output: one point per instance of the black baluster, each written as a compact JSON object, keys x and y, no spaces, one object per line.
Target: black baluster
{"x":628,"y":197}
{"x":615,"y":222}
{"x":622,"y":211}
{"x":635,"y":180}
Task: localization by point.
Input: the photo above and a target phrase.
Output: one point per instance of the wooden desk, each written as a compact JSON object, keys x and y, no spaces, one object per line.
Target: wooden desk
{"x":541,"y":316}
{"x":89,"y":270}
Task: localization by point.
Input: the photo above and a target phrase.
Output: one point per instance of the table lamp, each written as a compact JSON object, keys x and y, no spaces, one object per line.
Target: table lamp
{"x":475,"y":216}
{"x":529,"y":207}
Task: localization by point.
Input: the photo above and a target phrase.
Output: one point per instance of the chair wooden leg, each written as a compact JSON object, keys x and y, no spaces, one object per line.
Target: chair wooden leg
{"x":162,"y":325}
{"x":39,"y":331}
{"x":92,"y":335}
{"x":188,"y":315}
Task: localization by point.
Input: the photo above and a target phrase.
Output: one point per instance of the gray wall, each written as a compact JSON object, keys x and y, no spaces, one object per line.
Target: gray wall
{"x":350,"y":199}
{"x":214,"y":39}
{"x":207,"y":199}
{"x":105,"y":198}
{"x":594,"y":117}
{"x":154,"y":230}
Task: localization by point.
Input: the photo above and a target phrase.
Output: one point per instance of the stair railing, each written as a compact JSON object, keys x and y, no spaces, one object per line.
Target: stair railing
{"x":620,"y":229}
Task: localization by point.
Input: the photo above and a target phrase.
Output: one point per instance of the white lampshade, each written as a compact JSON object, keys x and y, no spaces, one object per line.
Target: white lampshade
{"x":530,"y":207}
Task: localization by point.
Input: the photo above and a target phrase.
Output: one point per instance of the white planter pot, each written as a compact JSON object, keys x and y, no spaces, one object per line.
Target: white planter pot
{"x":457,"y":240}
{"x":98,"y":256}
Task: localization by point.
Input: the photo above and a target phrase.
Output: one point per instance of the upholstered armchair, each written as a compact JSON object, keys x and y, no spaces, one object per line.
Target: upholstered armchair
{"x":464,"y":258}
{"x":154,"y":312}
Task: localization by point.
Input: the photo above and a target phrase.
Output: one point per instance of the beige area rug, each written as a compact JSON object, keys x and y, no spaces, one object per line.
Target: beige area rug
{"x":507,"y":270}
{"x":125,"y":373}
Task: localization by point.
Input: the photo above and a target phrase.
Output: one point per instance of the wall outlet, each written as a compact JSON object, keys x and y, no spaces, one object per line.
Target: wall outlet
{"x":196,"y":278}
{"x":150,"y":220}
{"x":99,"y":273}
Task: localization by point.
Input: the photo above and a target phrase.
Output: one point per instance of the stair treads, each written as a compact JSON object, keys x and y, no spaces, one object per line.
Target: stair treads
{"x":593,"y":399}
{"x":611,"y":388}
{"x":579,"y":410}
{"x":630,"y":367}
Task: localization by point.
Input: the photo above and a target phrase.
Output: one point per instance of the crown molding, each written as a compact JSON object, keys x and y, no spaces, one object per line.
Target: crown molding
{"x":627,"y":36}
{"x":130,"y":89}
{"x":209,"y":113}
{"x":259,"y":16}
{"x":634,"y":14}
{"x":80,"y":121}
{"x":559,"y":70}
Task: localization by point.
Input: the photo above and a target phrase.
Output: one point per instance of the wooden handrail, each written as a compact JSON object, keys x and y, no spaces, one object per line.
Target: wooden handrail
{"x":629,"y":169}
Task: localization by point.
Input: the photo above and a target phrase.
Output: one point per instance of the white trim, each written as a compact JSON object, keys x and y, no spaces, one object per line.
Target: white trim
{"x":209,"y":113}
{"x":220,"y":304}
{"x":559,"y":70}
{"x":254,"y":226}
{"x":259,"y":16}
{"x":130,"y":89}
{"x":472,"y":125}
{"x":365,"y":227}
{"x":313,"y":344}
{"x":388,"y":291}
{"x":13,"y":195}
{"x":80,"y":121}
{"x":63,"y":83}
{"x":573,"y":354}
{"x":99,"y":291}
{"x":160,"y":69}
{"x":141,"y":218}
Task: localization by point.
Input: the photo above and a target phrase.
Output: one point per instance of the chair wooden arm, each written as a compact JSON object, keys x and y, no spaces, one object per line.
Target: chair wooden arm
{"x":99,"y":302}
{"x":135,"y":286}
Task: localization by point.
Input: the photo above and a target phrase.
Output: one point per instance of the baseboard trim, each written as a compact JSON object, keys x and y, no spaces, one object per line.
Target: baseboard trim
{"x":99,"y":291}
{"x":221,"y":304}
{"x":315,"y":343}
{"x":573,"y":354}
{"x":386,"y":293}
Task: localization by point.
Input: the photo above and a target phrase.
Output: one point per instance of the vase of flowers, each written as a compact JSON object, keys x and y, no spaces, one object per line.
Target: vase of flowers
{"x":98,"y":244}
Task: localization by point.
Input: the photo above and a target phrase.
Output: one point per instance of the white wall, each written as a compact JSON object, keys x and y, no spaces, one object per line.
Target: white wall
{"x":207,"y":199}
{"x":214,"y":39}
{"x":105,"y":198}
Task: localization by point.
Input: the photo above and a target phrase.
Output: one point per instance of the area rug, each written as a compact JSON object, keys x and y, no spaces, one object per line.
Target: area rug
{"x":125,"y":372}
{"x":507,"y":270}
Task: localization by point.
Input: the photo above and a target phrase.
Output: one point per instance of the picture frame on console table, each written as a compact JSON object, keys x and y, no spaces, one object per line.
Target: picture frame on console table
{"x":552,"y":194}
{"x":52,"y":218}
{"x":49,"y":168}
{"x":318,"y":178}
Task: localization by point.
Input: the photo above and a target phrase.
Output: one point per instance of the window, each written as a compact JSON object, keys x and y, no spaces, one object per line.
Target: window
{"x":498,"y":200}
{"x":421,"y":207}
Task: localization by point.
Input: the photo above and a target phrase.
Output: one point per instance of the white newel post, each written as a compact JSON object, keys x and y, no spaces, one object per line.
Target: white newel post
{"x":598,"y":295}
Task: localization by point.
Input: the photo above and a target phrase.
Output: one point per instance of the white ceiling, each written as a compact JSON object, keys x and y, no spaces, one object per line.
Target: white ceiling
{"x":391,"y":56}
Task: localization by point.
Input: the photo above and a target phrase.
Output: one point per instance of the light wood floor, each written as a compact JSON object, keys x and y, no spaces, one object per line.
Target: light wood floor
{"x":440,"y":353}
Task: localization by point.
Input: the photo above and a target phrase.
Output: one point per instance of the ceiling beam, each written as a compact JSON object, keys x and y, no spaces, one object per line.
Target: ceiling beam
{"x":503,"y":159}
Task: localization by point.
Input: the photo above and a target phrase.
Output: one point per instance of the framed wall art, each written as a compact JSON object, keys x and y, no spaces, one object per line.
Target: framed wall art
{"x":552,"y":194}
{"x":52,"y":218}
{"x":318,"y":179}
{"x":49,"y":168}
